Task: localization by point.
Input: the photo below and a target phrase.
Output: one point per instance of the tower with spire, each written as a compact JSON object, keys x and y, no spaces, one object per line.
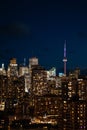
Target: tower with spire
{"x":24,"y":62}
{"x":65,"y":59}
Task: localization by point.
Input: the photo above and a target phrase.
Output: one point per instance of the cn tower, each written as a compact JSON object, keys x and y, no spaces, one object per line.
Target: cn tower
{"x":65,"y":59}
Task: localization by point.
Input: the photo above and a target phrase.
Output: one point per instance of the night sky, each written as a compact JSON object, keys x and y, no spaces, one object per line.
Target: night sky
{"x":39,"y":28}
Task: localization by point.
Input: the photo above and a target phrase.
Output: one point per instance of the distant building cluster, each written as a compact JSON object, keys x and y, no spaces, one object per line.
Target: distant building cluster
{"x":30,"y":74}
{"x":33,"y":91}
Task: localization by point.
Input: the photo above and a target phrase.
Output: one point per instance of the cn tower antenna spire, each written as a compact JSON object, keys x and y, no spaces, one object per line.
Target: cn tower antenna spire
{"x":65,"y":49}
{"x":65,"y":59}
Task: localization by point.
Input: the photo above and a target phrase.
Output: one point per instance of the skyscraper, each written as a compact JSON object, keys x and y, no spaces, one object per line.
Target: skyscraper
{"x":13,"y":68}
{"x":33,"y":61}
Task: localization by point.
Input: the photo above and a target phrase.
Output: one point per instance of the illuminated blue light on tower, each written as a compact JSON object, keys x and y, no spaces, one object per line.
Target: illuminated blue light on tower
{"x":65,"y":59}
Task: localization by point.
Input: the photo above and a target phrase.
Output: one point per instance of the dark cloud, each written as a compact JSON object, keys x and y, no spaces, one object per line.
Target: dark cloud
{"x":15,"y":30}
{"x":82,"y":35}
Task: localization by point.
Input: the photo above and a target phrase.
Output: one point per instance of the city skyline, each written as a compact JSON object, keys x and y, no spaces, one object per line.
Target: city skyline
{"x":41,"y":98}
